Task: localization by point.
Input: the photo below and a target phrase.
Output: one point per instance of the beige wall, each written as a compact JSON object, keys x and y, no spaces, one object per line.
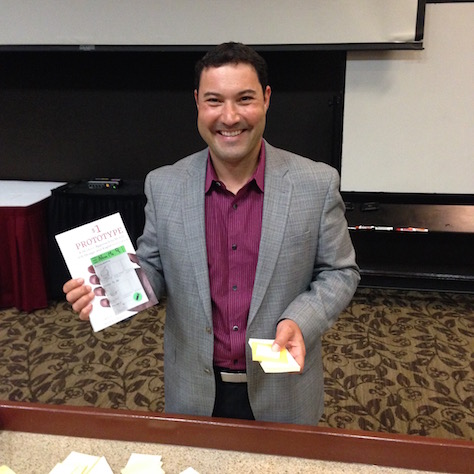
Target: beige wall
{"x":409,"y":115}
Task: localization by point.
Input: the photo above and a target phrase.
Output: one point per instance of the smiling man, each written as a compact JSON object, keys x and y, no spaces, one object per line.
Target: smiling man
{"x":245,"y":240}
{"x":232,"y":107}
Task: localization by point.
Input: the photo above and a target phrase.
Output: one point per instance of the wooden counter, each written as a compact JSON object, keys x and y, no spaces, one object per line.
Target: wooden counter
{"x":402,"y":451}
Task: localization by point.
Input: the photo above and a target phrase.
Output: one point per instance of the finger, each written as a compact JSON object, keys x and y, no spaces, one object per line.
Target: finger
{"x":276,"y":347}
{"x":77,"y":293}
{"x":84,"y":315}
{"x":299,"y":356}
{"x":289,"y":336}
{"x":79,"y":304}
{"x":283,"y":335}
{"x":71,"y":284}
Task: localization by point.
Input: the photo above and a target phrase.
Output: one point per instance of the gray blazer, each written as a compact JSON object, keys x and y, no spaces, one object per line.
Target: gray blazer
{"x":306,"y":272}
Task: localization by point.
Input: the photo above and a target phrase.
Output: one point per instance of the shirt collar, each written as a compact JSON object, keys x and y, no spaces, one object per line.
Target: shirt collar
{"x":258,"y":176}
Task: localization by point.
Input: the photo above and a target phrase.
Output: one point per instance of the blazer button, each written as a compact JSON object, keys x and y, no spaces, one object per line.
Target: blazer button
{"x":209,"y":330}
{"x":208,"y":371}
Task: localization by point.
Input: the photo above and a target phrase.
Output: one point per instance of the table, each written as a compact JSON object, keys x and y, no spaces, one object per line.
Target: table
{"x":28,"y":453}
{"x":23,"y":243}
{"x":224,"y":445}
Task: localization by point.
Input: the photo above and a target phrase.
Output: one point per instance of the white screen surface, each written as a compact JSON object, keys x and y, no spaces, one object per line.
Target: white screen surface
{"x":409,"y":115}
{"x":205,"y":22}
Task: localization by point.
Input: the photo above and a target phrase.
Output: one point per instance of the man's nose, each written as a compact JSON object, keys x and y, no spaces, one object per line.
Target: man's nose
{"x":230,"y":113}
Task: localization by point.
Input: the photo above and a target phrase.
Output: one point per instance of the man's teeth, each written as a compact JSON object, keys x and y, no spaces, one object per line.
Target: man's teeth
{"x":228,"y":133}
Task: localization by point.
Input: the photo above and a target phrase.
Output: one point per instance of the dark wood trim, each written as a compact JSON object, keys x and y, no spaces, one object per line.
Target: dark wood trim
{"x":402,"y":451}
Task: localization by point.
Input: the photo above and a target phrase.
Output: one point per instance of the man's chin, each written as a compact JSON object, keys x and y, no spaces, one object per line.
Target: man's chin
{"x":230,"y":153}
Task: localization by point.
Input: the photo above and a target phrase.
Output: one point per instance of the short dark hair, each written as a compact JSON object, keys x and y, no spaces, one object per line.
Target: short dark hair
{"x":232,"y":53}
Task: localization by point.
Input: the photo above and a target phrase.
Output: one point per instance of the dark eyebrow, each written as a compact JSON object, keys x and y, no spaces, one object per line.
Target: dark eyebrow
{"x":240,"y":93}
{"x":247,"y":91}
{"x":206,"y":94}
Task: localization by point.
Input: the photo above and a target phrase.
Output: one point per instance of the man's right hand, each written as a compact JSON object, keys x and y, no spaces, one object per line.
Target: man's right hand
{"x":80,"y":296}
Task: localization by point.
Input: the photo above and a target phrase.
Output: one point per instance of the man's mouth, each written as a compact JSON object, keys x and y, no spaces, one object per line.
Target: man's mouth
{"x":230,"y":133}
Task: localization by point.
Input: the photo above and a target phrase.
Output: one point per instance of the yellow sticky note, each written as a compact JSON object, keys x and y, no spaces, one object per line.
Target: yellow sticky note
{"x":272,"y":362}
{"x":262,"y":352}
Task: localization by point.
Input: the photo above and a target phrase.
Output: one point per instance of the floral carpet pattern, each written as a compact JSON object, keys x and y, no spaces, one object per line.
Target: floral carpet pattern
{"x":402,"y":362}
{"x":396,"y":361}
{"x":49,"y":356}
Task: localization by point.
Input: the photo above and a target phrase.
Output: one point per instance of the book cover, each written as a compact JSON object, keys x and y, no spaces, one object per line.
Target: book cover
{"x":102,"y":253}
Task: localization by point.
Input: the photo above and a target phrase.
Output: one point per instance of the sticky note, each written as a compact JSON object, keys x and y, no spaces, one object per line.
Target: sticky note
{"x":262,"y":351}
{"x":271,"y":361}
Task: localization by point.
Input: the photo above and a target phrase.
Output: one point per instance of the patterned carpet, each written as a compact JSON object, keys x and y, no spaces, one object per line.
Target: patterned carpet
{"x":395,"y":361}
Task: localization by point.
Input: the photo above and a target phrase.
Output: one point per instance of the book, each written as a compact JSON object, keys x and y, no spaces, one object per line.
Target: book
{"x":102,"y":253}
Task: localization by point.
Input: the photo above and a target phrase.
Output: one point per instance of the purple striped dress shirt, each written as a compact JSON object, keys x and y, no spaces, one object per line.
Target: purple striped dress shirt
{"x":233,"y":228}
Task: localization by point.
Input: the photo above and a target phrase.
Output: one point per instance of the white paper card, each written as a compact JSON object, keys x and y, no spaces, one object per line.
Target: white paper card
{"x":143,"y":464}
{"x":79,"y":463}
{"x":102,"y":253}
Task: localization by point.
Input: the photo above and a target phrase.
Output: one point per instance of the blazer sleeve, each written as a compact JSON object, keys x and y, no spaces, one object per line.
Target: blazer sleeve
{"x":148,"y":251}
{"x":335,"y":273}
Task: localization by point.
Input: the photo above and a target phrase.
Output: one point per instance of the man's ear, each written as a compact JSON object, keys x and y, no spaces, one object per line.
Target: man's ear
{"x":266,"y":97}
{"x":196,"y":100}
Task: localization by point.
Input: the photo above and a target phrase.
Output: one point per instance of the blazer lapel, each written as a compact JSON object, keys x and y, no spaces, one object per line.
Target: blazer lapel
{"x":195,"y":229}
{"x":276,"y":205}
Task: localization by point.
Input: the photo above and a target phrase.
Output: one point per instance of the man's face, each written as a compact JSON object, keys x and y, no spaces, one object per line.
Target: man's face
{"x":231,"y":112}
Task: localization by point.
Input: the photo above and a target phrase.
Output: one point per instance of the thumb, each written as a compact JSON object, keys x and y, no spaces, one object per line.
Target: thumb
{"x":283,"y":334}
{"x":276,"y":347}
{"x":281,"y":338}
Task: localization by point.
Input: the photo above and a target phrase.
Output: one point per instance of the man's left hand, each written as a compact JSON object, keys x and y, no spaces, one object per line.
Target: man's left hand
{"x":289,"y":336}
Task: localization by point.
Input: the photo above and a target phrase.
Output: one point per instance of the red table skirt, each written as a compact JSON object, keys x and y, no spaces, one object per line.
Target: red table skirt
{"x":23,"y":257}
